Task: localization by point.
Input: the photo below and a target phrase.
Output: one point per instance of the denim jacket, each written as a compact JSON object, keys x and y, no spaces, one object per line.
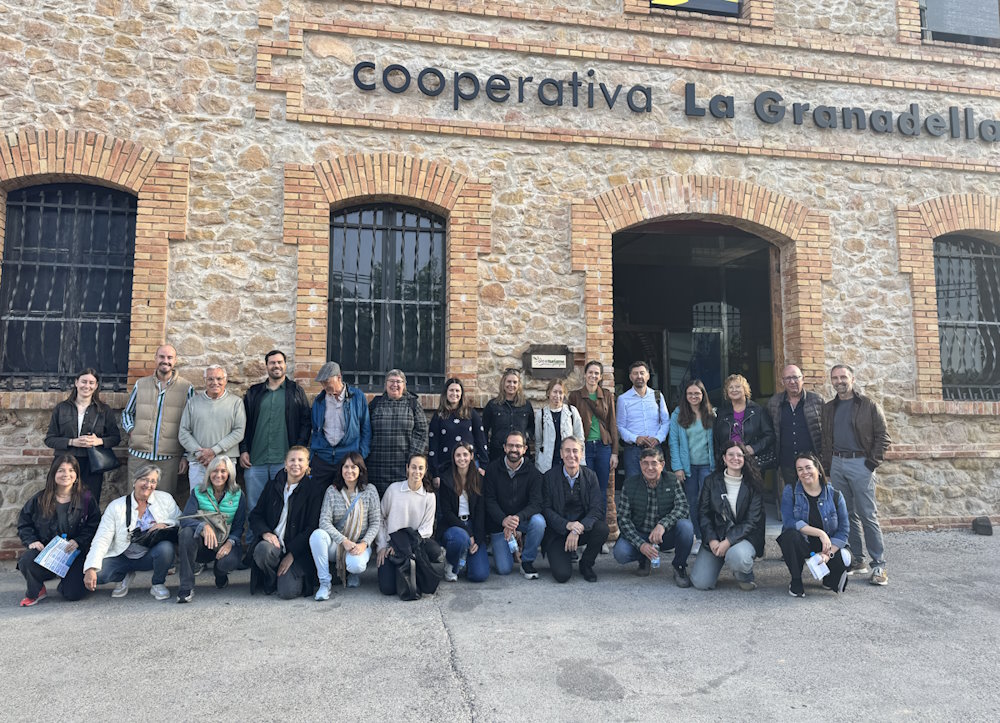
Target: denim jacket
{"x":832,"y":508}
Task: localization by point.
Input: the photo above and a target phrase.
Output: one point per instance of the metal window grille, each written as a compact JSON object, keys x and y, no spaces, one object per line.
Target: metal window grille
{"x":387,"y":295}
{"x":967,"y":274}
{"x":729,"y":8}
{"x":66,"y":286}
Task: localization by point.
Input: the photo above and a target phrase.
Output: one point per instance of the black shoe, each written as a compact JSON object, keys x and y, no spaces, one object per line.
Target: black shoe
{"x":643,"y":570}
{"x":221,"y":581}
{"x":528,"y":570}
{"x":795,"y":589}
{"x":588,"y":573}
{"x":184,"y":596}
{"x":574,"y":556}
{"x":681,"y":578}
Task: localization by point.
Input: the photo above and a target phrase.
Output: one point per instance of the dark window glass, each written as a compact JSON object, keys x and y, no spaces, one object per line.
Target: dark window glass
{"x":713,"y":7}
{"x":66,"y":286}
{"x":967,"y":274}
{"x":387,"y":295}
{"x":962,"y":21}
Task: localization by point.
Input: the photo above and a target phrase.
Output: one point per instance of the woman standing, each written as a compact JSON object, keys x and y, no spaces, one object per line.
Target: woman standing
{"x":692,"y":452}
{"x":348,"y":524}
{"x":507,"y":412}
{"x":815,"y":522}
{"x":64,"y":508}
{"x":554,"y":422}
{"x":455,"y":421}
{"x":600,"y":428}
{"x":199,"y":541}
{"x":80,"y":422}
{"x":462,"y":525}
{"x":410,"y":503}
{"x":743,"y":420}
{"x":731,"y":514}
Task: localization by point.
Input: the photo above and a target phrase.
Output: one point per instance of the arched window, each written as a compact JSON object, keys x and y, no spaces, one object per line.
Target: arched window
{"x":967,"y":275}
{"x":387,"y":295}
{"x":66,"y":285}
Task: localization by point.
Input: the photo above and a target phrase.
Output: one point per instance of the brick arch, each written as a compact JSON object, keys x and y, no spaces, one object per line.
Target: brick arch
{"x":917,"y":227}
{"x":311,"y":191}
{"x":802,"y":236}
{"x":31,"y":157}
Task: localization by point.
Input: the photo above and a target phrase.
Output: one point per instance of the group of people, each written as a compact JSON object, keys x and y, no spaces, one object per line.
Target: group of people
{"x":326,"y":482}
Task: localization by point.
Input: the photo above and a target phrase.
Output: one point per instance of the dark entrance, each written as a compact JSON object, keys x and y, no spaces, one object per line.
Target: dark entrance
{"x":693,"y":299}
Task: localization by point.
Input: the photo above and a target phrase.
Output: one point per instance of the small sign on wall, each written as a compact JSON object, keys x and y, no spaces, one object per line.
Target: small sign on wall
{"x":547,"y":361}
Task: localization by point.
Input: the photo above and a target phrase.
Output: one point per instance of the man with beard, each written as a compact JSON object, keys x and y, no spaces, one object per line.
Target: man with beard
{"x":152,"y":418}
{"x":513,"y":494}
{"x":277,"y":418}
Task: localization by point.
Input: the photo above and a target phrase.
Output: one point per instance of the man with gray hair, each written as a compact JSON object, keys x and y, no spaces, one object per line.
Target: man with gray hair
{"x":213,"y":423}
{"x":340,"y":423}
{"x":399,"y":429}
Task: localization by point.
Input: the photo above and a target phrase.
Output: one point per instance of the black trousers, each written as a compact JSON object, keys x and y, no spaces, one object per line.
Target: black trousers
{"x":71,"y":587}
{"x":559,"y":559}
{"x":795,"y":549}
{"x":94,"y":481}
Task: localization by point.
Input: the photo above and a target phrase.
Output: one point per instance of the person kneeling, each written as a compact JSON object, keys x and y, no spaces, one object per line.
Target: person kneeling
{"x":462,"y":521}
{"x":286,"y":514}
{"x":815,"y":521}
{"x":220,"y":497}
{"x":137,"y":532}
{"x":654,"y":514}
{"x":572,"y":505}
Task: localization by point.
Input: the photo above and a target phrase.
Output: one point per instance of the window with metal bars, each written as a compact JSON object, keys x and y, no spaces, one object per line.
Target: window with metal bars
{"x":66,"y":286}
{"x":967,"y":274}
{"x":387,"y":295}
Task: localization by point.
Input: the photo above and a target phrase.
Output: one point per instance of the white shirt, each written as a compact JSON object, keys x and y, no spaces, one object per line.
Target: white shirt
{"x":463,"y":505}
{"x":279,"y":529}
{"x":642,"y":416}
{"x":732,"y":489}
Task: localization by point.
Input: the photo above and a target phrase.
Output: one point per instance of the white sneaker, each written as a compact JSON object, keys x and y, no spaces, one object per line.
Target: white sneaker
{"x":696,"y":547}
{"x":605,"y":550}
{"x":122,"y":589}
{"x":323,"y":593}
{"x":450,"y":575}
{"x":160,"y":592}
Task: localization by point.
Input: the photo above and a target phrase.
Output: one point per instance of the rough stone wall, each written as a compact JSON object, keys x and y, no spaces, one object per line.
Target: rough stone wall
{"x":181,"y":78}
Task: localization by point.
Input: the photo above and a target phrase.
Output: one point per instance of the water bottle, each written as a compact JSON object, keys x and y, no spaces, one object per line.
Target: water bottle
{"x":655,"y":562}
{"x":512,"y":544}
{"x":461,"y":560}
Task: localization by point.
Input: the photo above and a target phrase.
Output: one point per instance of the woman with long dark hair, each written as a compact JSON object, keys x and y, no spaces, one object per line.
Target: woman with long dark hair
{"x":455,"y":421}
{"x":507,"y":412}
{"x":462,"y":521}
{"x":731,"y":515}
{"x":82,"y":421}
{"x":692,"y":452}
{"x":409,"y":503}
{"x":63,"y":508}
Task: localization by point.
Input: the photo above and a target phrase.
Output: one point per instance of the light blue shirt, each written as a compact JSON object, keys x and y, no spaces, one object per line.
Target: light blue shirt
{"x":642,"y":417}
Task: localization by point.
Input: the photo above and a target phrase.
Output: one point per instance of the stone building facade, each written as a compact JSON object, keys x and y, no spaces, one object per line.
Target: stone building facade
{"x":240,"y":126}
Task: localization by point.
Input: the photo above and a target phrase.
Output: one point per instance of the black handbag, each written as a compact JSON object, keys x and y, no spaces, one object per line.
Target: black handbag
{"x":150,"y":538}
{"x":419,"y":564}
{"x":102,"y":459}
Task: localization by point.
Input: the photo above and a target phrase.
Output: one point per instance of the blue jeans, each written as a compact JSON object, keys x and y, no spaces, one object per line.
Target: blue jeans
{"x":159,"y":559}
{"x":598,"y":456}
{"x":706,"y":568}
{"x":630,"y":459}
{"x":324,"y":552}
{"x":692,"y":490}
{"x":456,"y":541}
{"x":680,"y":537}
{"x":256,"y":479}
{"x":533,"y":529}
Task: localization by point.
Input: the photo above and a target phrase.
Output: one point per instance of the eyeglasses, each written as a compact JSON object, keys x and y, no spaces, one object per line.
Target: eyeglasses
{"x":514,"y":446}
{"x":790,"y":379}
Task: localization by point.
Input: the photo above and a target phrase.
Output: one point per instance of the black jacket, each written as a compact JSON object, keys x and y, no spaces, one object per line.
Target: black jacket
{"x":32,"y":526}
{"x":99,"y":420}
{"x":520,"y":495}
{"x":447,"y":508}
{"x":304,"y":506}
{"x":554,"y":501}
{"x":716,"y":517}
{"x":758,"y":432}
{"x":297,"y":410}
{"x":502,"y":418}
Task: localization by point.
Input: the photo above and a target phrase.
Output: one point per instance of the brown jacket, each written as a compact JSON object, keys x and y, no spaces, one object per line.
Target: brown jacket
{"x":869,"y":427}
{"x":605,"y":414}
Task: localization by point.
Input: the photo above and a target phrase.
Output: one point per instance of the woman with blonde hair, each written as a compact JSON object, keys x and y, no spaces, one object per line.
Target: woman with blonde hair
{"x":742,"y":420}
{"x":553,"y":423}
{"x":509,"y":411}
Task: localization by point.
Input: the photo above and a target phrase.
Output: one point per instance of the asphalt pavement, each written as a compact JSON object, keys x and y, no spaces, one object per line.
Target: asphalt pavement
{"x":625,"y":648}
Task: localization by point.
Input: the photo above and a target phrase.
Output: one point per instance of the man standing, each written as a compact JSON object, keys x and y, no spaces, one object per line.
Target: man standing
{"x":643,"y":419}
{"x":152,"y":419}
{"x":213,"y":423}
{"x":277,"y":414}
{"x":654,"y":515}
{"x":398,"y":429}
{"x":340,"y":423}
{"x":854,"y":444}
{"x":574,"y":515}
{"x":798,"y":422}
{"x":513,"y":495}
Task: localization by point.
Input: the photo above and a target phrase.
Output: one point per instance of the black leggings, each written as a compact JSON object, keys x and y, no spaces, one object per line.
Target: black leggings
{"x":795,"y":549}
{"x":71,"y":587}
